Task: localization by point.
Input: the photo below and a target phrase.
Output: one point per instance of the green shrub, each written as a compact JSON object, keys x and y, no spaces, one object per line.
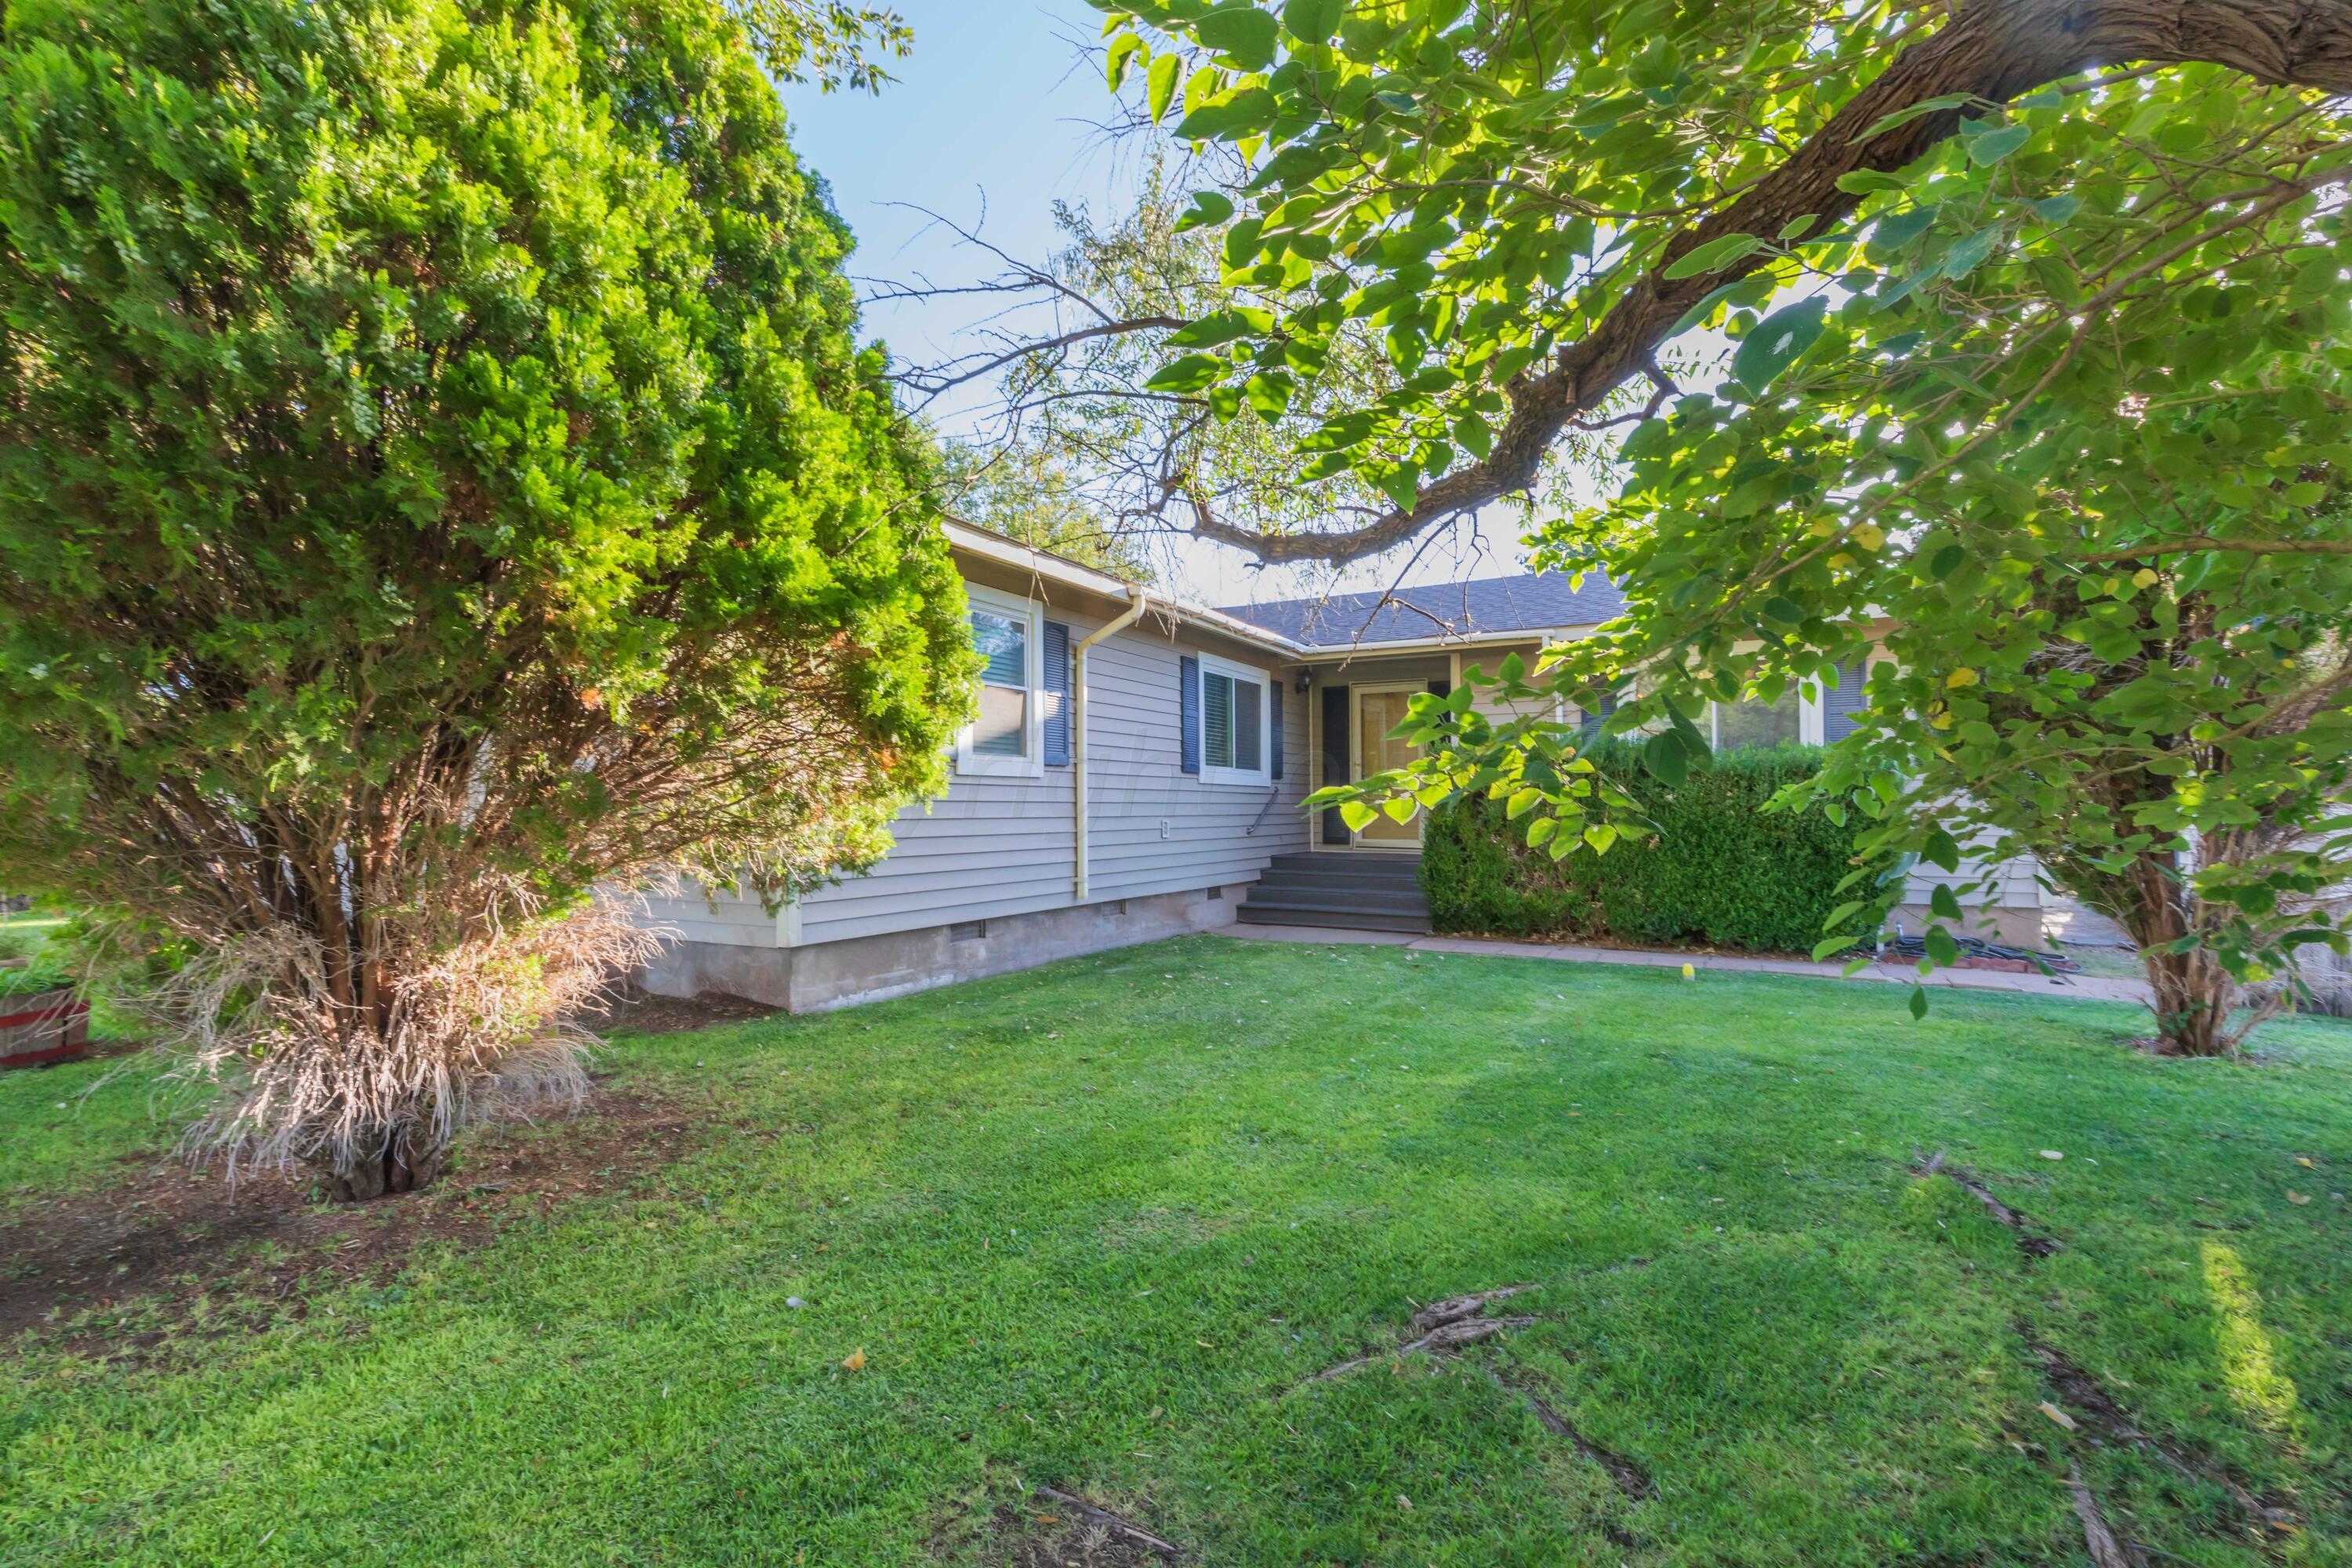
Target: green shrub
{"x":44,"y":973}
{"x":1720,"y":870}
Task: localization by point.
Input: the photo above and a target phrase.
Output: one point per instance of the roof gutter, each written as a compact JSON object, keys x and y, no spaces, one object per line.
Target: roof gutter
{"x":1137,"y":602}
{"x":1542,"y":636}
{"x":1053,"y":568}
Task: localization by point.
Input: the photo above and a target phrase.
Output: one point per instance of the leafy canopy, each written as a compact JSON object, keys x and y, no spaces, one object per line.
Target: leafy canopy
{"x":2009,"y":338}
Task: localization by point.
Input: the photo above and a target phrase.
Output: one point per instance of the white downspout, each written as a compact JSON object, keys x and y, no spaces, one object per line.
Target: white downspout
{"x":1138,"y":601}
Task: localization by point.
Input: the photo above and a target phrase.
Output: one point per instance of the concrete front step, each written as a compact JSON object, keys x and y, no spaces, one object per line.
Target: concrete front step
{"x":1266,"y":898}
{"x":1344,"y":881}
{"x":1255,"y":913}
{"x":1405,"y":867}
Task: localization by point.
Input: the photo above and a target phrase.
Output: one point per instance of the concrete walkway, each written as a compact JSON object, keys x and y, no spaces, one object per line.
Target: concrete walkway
{"x":2081,"y":987}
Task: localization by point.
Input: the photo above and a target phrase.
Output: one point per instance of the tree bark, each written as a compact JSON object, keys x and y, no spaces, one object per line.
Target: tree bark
{"x":2193,"y":992}
{"x":1992,"y":49}
{"x":402,"y":1165}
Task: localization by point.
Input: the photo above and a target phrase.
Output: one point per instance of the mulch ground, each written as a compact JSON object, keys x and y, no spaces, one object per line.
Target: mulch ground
{"x":631,"y":1011}
{"x":114,"y":1268}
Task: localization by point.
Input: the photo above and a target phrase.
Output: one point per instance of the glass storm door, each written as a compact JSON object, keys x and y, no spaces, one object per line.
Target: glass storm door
{"x":1377,"y":714}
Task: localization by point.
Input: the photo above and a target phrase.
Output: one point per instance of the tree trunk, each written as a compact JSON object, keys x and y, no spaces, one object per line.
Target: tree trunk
{"x":402,"y":1165}
{"x":2193,"y":992}
{"x":2192,"y":1001}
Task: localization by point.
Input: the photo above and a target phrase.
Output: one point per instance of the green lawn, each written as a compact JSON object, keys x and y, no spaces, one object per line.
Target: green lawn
{"x":1098,"y":1225}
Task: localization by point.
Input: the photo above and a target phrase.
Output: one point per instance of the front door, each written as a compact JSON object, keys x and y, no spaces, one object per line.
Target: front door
{"x":1378,"y":712}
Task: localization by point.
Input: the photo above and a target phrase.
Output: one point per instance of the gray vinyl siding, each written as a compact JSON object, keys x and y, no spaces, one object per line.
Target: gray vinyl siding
{"x":727,"y":916}
{"x":995,"y":847}
{"x":1490,"y":659}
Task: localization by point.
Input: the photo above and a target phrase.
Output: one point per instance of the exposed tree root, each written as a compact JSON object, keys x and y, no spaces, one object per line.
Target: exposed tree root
{"x":2081,"y":1393}
{"x":1631,"y":1479}
{"x":2030,"y":1241}
{"x":1454,"y":1309}
{"x":2106,"y":1551}
{"x":1446,"y":1337}
{"x":1126,"y":1529}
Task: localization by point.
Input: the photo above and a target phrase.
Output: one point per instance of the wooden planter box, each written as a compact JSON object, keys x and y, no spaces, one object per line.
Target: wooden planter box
{"x":52,"y":1026}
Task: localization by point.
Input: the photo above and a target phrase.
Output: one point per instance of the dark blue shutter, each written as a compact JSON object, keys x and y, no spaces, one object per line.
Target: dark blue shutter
{"x":1840,"y":703}
{"x":1188,"y":682}
{"x":1273,"y":722}
{"x":1441,"y":687}
{"x":1057,"y":695}
{"x":1335,"y":758}
{"x":1596,"y":713}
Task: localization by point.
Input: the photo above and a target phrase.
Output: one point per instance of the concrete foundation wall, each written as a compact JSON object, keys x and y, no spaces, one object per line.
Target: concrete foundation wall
{"x":2010,"y":924}
{"x":816,"y":978}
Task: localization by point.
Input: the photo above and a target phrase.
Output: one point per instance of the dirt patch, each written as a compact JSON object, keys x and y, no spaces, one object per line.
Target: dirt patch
{"x":636,"y":1012}
{"x":1043,"y":1533}
{"x":113,"y":1269}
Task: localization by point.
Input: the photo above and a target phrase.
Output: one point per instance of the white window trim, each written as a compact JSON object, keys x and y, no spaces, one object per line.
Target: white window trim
{"x":1261,"y":776}
{"x":1812,"y":717}
{"x":1032,"y":764}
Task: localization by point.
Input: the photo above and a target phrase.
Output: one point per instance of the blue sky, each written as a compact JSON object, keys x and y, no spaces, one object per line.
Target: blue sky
{"x":991,"y":121}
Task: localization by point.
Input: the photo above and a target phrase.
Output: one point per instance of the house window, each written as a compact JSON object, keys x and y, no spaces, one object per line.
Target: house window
{"x":1752,"y":721}
{"x":1002,"y":737}
{"x":1233,"y":742}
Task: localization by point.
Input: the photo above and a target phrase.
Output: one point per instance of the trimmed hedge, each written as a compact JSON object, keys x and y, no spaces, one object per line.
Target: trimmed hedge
{"x":1721,"y":871}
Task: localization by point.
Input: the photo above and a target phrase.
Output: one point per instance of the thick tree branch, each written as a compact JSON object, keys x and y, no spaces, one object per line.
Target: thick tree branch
{"x":1995,"y":50}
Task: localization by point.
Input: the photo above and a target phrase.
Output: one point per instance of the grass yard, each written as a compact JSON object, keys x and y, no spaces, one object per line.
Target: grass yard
{"x":1098,"y":1226}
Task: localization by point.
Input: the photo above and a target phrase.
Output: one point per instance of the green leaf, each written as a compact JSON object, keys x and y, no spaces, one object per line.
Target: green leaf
{"x":1918,"y":1002}
{"x":1245,"y":113}
{"x":1868,"y":182}
{"x":1989,"y":147}
{"x":1312,"y":21}
{"x":1775,"y":342}
{"x":1400,"y":808}
{"x":1191,"y":374}
{"x":1268,"y":393}
{"x":1941,"y":850}
{"x":1123,"y":48}
{"x":1663,"y":755}
{"x":1240,"y":241}
{"x":1160,"y":84}
{"x":1967,"y":254}
{"x":1886,"y":122}
{"x":1942,"y":947}
{"x":1600,"y":836}
{"x":1713,"y":255}
{"x":1222,"y":327}
{"x":1242,"y":32}
{"x":1208,"y":208}
{"x":1357,"y":815}
{"x":1943,"y":902}
{"x":1829,"y":944}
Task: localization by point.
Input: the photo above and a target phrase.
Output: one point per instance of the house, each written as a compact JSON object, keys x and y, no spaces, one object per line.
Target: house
{"x":1136,"y":770}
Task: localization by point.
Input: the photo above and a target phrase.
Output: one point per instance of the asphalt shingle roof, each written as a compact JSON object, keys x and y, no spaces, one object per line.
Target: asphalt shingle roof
{"x":1532,"y":601}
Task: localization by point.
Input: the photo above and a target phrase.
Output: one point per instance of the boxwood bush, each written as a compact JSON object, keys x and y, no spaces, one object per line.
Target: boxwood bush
{"x":1720,"y":871}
